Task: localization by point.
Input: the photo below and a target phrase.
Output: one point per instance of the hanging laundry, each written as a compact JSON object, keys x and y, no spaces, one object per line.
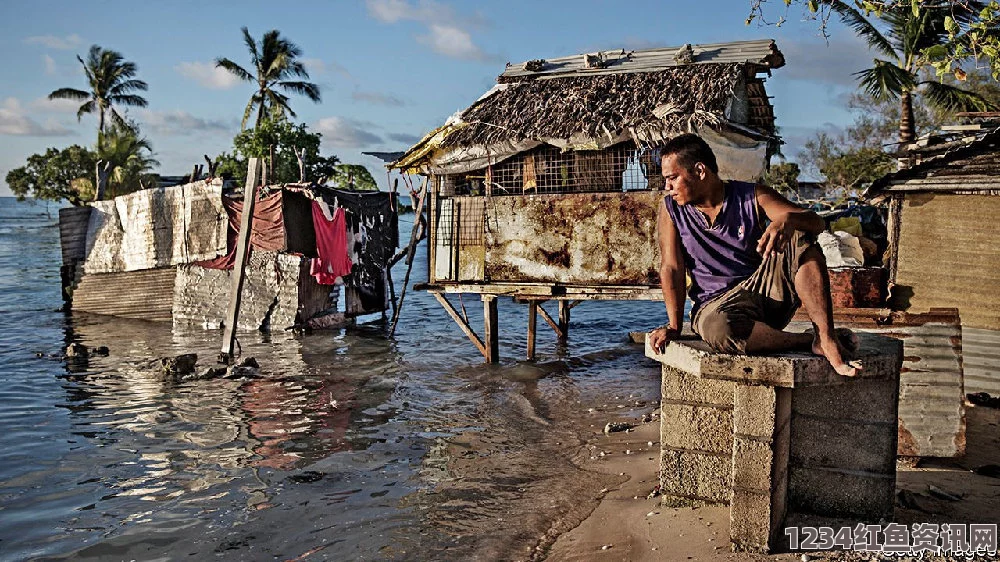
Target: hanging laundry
{"x":331,"y":244}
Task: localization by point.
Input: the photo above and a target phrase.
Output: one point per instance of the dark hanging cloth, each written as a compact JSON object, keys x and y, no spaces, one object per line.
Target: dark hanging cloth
{"x":372,"y":239}
{"x":267,"y":228}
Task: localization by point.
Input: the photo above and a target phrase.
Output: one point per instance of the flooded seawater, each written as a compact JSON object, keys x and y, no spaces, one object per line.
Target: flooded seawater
{"x":349,"y":446}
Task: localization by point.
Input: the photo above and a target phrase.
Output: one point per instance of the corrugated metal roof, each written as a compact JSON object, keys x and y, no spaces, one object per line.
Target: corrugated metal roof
{"x":762,"y":51}
{"x":973,"y":166}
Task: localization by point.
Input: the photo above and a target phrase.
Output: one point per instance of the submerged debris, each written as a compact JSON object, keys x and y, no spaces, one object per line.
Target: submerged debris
{"x":615,"y":427}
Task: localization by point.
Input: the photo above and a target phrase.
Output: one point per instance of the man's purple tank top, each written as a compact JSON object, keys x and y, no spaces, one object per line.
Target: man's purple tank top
{"x":721,"y":256}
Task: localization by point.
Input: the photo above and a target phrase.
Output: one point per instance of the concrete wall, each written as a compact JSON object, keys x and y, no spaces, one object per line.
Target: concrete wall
{"x":271,"y":294}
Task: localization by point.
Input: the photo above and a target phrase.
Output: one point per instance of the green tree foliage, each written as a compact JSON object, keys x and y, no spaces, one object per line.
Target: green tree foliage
{"x":353,"y":176}
{"x":274,"y":61}
{"x":783,"y":176}
{"x":111,"y":81}
{"x":129,"y":158}
{"x":56,"y":175}
{"x":843,"y":163}
{"x":287,"y":140}
{"x":914,"y":35}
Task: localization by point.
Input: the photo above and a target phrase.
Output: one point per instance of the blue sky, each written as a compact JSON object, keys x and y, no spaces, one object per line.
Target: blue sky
{"x":390,"y":70}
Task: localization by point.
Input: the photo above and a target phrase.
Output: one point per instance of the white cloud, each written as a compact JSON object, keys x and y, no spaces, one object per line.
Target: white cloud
{"x":814,"y":60}
{"x":50,"y":65}
{"x":52,"y":42}
{"x":55,"y":106}
{"x":347,"y":133}
{"x":404,"y":138}
{"x":377,"y":98}
{"x":208,"y":75}
{"x":447,"y":32}
{"x":14,"y":121}
{"x":319,"y":67}
{"x":179,"y":122}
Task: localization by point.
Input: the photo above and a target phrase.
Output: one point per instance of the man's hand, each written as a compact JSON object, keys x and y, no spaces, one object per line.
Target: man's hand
{"x":660,"y":337}
{"x":775,"y":236}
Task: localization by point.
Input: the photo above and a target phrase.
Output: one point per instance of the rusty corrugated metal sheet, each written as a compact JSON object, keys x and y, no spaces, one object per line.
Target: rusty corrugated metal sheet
{"x":761,"y":51}
{"x":145,"y":295}
{"x":578,"y":238}
{"x":981,"y":357}
{"x":948,"y":257}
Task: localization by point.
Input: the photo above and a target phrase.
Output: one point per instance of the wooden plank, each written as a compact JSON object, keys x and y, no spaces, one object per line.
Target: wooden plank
{"x":564,"y":314}
{"x":491,"y":320}
{"x":461,"y":323}
{"x":242,"y":253}
{"x":541,"y":291}
{"x":551,"y":322}
{"x":532,"y":319}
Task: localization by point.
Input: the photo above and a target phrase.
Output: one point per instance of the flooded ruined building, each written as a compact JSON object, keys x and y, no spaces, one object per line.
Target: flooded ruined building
{"x":546,"y":188}
{"x":167,"y":254}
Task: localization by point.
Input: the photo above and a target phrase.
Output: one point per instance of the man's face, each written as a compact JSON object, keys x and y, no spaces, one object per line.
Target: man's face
{"x":682,"y":183}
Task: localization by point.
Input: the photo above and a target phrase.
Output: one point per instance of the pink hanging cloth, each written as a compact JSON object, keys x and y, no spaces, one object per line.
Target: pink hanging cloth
{"x":331,"y":244}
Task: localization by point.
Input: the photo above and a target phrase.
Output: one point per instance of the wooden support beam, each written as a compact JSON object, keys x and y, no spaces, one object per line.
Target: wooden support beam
{"x":491,"y":319}
{"x":532,"y":319}
{"x":547,"y":318}
{"x":461,"y":323}
{"x":564,"y":308}
{"x":238,"y":276}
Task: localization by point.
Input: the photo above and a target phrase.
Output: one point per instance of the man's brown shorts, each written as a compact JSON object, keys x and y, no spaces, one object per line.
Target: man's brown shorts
{"x":768,"y":296}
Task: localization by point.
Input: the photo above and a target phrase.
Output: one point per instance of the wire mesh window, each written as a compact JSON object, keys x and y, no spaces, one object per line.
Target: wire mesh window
{"x":549,"y":170}
{"x":460,"y":221}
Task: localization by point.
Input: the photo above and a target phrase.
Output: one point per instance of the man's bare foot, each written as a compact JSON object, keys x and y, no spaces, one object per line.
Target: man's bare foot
{"x":837,"y":353}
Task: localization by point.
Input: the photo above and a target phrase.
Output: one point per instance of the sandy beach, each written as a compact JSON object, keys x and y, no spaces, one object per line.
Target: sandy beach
{"x":628,"y":525}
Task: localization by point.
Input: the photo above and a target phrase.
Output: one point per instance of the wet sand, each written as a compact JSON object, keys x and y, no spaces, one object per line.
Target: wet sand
{"x":626,"y":525}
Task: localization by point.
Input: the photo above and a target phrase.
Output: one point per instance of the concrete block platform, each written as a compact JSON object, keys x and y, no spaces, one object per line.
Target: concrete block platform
{"x":779,"y":434}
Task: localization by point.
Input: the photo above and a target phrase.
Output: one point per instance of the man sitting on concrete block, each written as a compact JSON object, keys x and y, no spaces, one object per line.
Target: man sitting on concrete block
{"x":747,"y":277}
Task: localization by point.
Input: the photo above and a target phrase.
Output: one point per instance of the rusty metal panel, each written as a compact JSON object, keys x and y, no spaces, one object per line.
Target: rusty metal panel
{"x":144,"y":295}
{"x":948,"y":257}
{"x":931,"y":396}
{"x":73,"y":233}
{"x":981,"y":357}
{"x":584,"y":238}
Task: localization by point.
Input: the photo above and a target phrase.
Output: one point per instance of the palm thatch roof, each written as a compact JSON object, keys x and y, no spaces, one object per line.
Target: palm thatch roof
{"x":645,"y":96}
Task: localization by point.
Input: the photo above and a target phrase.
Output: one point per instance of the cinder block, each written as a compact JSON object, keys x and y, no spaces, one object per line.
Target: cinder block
{"x":686,"y":387}
{"x":687,"y":475}
{"x":753,"y":462}
{"x":696,"y":428}
{"x":864,"y":496}
{"x":759,"y":411}
{"x":864,"y":400}
{"x":750,"y":517}
{"x":843,"y":444}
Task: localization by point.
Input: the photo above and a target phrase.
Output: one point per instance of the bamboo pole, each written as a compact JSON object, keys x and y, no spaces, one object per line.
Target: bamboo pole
{"x":409,"y":256}
{"x":238,"y":276}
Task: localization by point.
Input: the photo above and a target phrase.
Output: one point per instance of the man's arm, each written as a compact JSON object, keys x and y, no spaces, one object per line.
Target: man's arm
{"x":672,"y":279}
{"x":786,"y":217}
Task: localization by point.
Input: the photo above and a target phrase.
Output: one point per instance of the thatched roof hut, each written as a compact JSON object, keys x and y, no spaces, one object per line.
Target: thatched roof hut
{"x":546,"y":187}
{"x":644,"y":96}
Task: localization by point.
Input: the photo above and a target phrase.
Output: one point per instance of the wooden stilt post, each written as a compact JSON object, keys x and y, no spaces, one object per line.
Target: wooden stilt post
{"x":239,"y":268}
{"x":564,"y":308}
{"x":492,"y":335}
{"x":532,"y":319}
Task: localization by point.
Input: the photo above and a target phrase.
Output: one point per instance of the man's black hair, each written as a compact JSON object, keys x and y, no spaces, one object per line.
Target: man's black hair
{"x":690,"y":149}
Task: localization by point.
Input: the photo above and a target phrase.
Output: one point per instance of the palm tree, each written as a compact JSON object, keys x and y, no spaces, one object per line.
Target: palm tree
{"x":128,"y":158}
{"x":112,"y":82}
{"x":274,"y":61}
{"x":910,"y":32}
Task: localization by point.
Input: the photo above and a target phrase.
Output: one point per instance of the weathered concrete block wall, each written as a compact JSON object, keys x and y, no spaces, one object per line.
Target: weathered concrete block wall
{"x":271,"y":293}
{"x":696,"y":438}
{"x":843,"y":450}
